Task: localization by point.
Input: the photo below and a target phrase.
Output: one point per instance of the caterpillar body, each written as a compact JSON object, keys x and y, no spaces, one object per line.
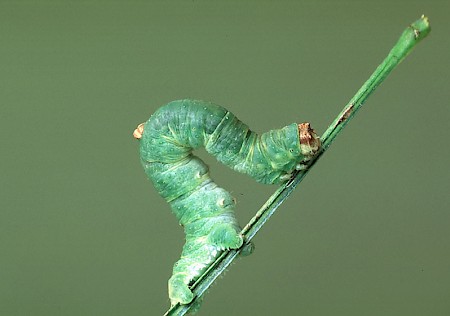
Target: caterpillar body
{"x":205,"y":210}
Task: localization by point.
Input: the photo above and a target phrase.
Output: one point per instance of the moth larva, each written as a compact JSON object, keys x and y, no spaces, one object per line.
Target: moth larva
{"x":205,"y":210}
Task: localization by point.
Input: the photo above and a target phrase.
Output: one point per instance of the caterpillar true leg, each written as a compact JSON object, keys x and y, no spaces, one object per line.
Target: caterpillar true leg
{"x":205,"y":210}
{"x":286,"y":177}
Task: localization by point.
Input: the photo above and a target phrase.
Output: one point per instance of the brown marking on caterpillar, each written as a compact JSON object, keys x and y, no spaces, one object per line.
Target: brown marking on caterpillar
{"x":309,"y":141}
{"x":138,"y":131}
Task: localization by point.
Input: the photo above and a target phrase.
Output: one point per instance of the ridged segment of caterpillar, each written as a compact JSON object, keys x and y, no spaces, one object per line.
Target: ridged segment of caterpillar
{"x":205,"y":210}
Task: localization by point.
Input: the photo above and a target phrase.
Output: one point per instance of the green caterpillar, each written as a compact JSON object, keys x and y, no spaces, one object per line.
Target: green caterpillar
{"x":205,"y":210}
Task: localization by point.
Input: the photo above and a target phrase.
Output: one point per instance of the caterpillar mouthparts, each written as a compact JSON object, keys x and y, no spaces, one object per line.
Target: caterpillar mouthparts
{"x":309,"y":140}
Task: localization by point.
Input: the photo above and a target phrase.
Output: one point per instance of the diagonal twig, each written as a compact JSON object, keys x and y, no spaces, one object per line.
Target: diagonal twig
{"x":409,"y":38}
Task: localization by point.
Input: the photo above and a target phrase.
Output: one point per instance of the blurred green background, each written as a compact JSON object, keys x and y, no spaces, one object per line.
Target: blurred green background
{"x":82,"y":231}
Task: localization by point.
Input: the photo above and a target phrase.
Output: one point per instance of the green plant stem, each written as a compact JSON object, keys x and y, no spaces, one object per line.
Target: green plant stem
{"x":409,"y":38}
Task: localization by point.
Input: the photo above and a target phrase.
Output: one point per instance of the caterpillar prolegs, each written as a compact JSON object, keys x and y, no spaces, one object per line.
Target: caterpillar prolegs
{"x":205,"y":210}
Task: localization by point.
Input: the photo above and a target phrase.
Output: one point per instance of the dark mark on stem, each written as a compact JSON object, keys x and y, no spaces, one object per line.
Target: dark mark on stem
{"x":346,"y":114}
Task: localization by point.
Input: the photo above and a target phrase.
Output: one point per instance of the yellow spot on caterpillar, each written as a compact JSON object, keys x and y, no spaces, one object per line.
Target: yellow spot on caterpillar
{"x":138,"y":131}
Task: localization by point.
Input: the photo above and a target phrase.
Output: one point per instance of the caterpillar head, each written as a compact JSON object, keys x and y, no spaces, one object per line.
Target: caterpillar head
{"x":309,"y":140}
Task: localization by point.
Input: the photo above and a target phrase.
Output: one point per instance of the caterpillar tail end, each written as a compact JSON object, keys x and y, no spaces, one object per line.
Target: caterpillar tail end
{"x":138,"y":131}
{"x":179,"y":291}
